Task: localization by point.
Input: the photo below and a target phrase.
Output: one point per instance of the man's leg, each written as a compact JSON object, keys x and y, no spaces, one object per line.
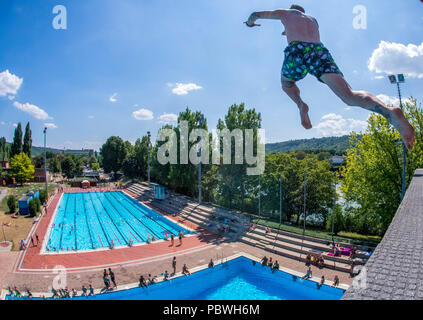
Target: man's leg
{"x":291,"y":89}
{"x":395,"y":116}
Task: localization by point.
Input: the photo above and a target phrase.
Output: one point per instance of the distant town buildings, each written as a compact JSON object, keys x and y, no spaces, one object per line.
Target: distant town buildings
{"x":83,"y":152}
{"x":338,"y":160}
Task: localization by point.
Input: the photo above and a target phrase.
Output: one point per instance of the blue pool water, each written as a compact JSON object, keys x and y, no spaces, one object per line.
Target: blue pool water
{"x":237,"y":279}
{"x":92,"y":220}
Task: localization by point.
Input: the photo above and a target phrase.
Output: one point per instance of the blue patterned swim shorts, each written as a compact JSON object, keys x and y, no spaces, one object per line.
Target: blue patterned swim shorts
{"x":302,"y":58}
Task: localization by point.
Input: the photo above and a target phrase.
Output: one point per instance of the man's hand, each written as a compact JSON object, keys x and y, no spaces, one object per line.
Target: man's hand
{"x":251,"y":22}
{"x":253,"y":25}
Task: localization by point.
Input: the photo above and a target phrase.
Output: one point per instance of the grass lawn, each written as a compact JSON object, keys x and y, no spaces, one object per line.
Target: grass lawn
{"x":22,"y":225}
{"x":346,"y":237}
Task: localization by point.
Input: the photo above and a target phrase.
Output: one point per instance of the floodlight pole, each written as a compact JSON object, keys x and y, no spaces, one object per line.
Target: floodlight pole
{"x":280,"y":199}
{"x":404,"y":151}
{"x":45,"y":160}
{"x":333,"y":212}
{"x":148,"y":156}
{"x":304,"y":224}
{"x":199,"y":165}
{"x":259,"y":196}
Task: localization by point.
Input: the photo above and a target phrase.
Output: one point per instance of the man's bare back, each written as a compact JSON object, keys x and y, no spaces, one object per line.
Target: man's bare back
{"x":306,"y":54}
{"x":300,"y":27}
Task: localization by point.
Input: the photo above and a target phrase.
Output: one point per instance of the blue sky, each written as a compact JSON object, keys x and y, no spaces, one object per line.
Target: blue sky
{"x":119,"y":62}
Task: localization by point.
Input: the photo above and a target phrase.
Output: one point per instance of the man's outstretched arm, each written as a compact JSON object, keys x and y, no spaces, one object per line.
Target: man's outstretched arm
{"x":275,"y":15}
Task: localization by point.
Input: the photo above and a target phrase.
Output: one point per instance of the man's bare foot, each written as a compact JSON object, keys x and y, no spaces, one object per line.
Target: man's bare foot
{"x":406,"y":130}
{"x":305,"y":120}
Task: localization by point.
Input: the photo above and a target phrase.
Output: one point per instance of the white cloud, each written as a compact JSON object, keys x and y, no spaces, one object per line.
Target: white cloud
{"x":168,"y":118}
{"x":184,"y":88}
{"x":34,"y":111}
{"x":15,"y":125}
{"x":3,"y":123}
{"x":9,"y":83}
{"x":394,"y":58}
{"x":113,"y":97}
{"x":336,"y":125}
{"x":91,"y":117}
{"x":392,"y":101}
{"x":50,"y":125}
{"x":143,"y":114}
{"x":11,"y":97}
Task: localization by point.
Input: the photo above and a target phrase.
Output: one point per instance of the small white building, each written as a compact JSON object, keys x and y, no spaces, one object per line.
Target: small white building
{"x":338,"y":160}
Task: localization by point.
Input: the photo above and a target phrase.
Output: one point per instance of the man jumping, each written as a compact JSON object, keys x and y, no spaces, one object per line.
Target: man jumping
{"x":306,"y":54}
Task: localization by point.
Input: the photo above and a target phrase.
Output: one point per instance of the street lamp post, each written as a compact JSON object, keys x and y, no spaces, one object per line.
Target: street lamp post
{"x":259,"y":196}
{"x":148,"y":157}
{"x":333,"y":212}
{"x":45,"y":160}
{"x":280,"y":199}
{"x":397,"y":81}
{"x":304,"y":223}
{"x":199,"y":164}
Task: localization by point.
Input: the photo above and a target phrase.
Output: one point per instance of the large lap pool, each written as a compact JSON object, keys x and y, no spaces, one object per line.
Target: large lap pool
{"x":237,"y":279}
{"x":94,"y":220}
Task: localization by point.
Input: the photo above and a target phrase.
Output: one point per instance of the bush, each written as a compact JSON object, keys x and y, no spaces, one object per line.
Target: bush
{"x":12,"y":203}
{"x":37,"y":204}
{"x":43,"y":196}
{"x":34,"y":207}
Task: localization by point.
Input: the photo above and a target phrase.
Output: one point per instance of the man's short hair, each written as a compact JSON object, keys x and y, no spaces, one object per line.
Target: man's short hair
{"x":297,"y":7}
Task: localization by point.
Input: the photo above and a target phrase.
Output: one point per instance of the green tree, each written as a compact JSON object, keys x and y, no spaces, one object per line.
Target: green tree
{"x":38,"y":161}
{"x":113,"y":152}
{"x":68,"y":167}
{"x":91,"y":161}
{"x":95,"y":166}
{"x":27,"y":144}
{"x":17,"y":141}
{"x":43,"y":196}
{"x":130,"y":166}
{"x":141,"y":153}
{"x":339,"y":221}
{"x":54,"y":165}
{"x":3,"y":149}
{"x":319,"y":187}
{"x":234,"y":184}
{"x":373,"y":174}
{"x":21,"y":168}
{"x":12,"y":203}
{"x":34,"y":206}
{"x":183,"y":177}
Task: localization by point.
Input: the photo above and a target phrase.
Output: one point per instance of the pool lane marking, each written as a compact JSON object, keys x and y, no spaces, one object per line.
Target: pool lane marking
{"x":133,"y":235}
{"x":100,"y":240}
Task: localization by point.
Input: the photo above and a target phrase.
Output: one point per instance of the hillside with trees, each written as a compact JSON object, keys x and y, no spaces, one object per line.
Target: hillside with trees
{"x":333,"y":145}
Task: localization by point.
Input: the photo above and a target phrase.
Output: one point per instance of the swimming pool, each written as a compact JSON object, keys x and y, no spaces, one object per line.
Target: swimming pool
{"x":237,"y":279}
{"x":94,"y":220}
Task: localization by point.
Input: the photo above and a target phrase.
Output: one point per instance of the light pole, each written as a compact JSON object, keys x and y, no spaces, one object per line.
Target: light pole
{"x":148,"y":157}
{"x":259,"y":196}
{"x":280,"y":199}
{"x":304,"y":223}
{"x":45,"y":159}
{"x":201,"y":122}
{"x":333,"y":212}
{"x":397,"y":81}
